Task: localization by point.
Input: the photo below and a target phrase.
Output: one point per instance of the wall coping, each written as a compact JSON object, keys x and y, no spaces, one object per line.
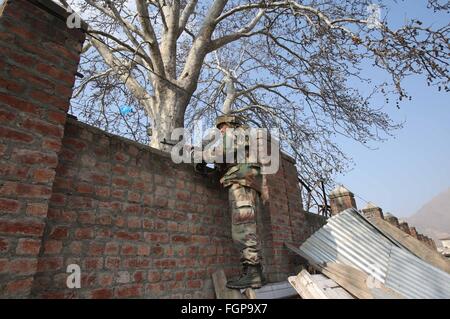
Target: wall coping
{"x":56,"y":10}
{"x":73,"y":120}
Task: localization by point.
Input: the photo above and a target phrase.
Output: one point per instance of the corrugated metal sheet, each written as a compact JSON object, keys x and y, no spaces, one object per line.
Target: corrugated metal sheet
{"x":351,"y":239}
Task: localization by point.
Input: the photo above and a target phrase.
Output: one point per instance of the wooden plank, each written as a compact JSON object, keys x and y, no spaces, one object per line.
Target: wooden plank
{"x":418,"y":248}
{"x":306,"y":287}
{"x":351,"y":279}
{"x":220,"y":288}
{"x":331,"y":288}
{"x":324,"y":281}
{"x":356,"y":282}
{"x":250,"y":293}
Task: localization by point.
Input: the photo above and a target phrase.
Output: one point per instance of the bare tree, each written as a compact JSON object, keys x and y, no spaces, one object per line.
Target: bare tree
{"x":286,"y":64}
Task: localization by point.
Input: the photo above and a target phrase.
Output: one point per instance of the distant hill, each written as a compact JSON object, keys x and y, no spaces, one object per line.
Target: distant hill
{"x":433,"y":219}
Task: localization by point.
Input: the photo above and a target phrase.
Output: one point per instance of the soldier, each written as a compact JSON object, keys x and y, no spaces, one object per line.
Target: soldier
{"x":243,"y":181}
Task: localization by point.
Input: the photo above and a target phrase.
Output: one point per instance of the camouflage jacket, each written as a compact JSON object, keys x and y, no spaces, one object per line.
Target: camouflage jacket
{"x":246,"y":174}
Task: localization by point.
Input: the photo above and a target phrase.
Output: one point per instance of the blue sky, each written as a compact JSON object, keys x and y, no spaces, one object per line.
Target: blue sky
{"x":406,"y":171}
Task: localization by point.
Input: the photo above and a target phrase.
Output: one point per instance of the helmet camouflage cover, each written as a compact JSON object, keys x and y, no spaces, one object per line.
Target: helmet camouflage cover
{"x":228,"y":119}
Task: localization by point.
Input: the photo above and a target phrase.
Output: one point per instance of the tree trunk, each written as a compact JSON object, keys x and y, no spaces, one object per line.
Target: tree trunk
{"x":168,"y":115}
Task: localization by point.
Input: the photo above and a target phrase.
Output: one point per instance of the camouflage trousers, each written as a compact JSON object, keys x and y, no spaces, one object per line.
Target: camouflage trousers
{"x":244,"y":203}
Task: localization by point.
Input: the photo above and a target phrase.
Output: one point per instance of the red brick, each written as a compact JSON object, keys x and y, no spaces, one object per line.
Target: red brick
{"x":154,"y":276}
{"x":156,"y":251}
{"x":102,"y":293}
{"x":112,"y":248}
{"x":86,"y":218}
{"x":119,"y":169}
{"x":2,"y":149}
{"x":48,"y":99}
{"x":128,"y":250}
{"x":129,"y":291}
{"x":18,"y":287}
{"x":52,"y":247}
{"x":74,"y":144}
{"x":23,"y":227}
{"x":4,"y":265}
{"x":102,"y":191}
{"x":76,"y":247}
{"x":63,"y":90}
{"x":180,"y":239}
{"x":23,"y":266}
{"x":85,"y":188}
{"x":22,"y":32}
{"x":34,"y":157}
{"x":143,"y":250}
{"x":136,"y":262}
{"x":138,"y":276}
{"x":33,"y":191}
{"x":120,"y":182}
{"x":52,"y":145}
{"x":134,"y":222}
{"x":127,"y":235}
{"x":4,"y":245}
{"x":59,"y":232}
{"x":28,"y":246}
{"x":96,"y":249}
{"x":134,"y":197}
{"x":179,"y":275}
{"x":37,"y":209}
{"x":11,"y":86}
{"x":43,"y":175}
{"x":56,"y":73}
{"x":121,"y":157}
{"x":15,"y":135}
{"x":43,"y":128}
{"x":112,"y":262}
{"x":21,"y":59}
{"x":183,"y":195}
{"x":156,"y":289}
{"x":13,"y":171}
{"x":132,"y":209}
{"x":105,"y":280}
{"x":50,"y":264}
{"x":9,"y":205}
{"x":104,"y":219}
{"x":36,"y":81}
{"x":84,"y":233}
{"x":57,"y":117}
{"x":194,"y":284}
{"x":157,"y":237}
{"x":6,"y":116}
{"x":93,"y":263}
{"x":18,"y":104}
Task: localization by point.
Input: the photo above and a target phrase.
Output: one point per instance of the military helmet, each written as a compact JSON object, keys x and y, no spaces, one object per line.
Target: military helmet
{"x":228,"y":119}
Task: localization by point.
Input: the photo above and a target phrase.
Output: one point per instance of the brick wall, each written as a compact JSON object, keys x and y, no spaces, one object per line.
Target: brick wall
{"x":141,"y":226}
{"x":39,"y":58}
{"x":137,"y":224}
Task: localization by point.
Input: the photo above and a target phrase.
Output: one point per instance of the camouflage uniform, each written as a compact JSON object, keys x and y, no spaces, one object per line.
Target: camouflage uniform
{"x":244,"y":183}
{"x":243,"y":196}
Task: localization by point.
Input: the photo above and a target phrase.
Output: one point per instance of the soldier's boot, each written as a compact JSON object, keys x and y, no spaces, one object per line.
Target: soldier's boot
{"x":251,"y":277}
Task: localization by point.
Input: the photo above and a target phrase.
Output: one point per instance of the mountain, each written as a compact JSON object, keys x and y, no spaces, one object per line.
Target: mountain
{"x":433,"y":219}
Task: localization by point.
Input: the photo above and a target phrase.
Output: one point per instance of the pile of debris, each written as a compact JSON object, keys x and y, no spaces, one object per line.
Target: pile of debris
{"x":370,"y":259}
{"x":353,"y":257}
